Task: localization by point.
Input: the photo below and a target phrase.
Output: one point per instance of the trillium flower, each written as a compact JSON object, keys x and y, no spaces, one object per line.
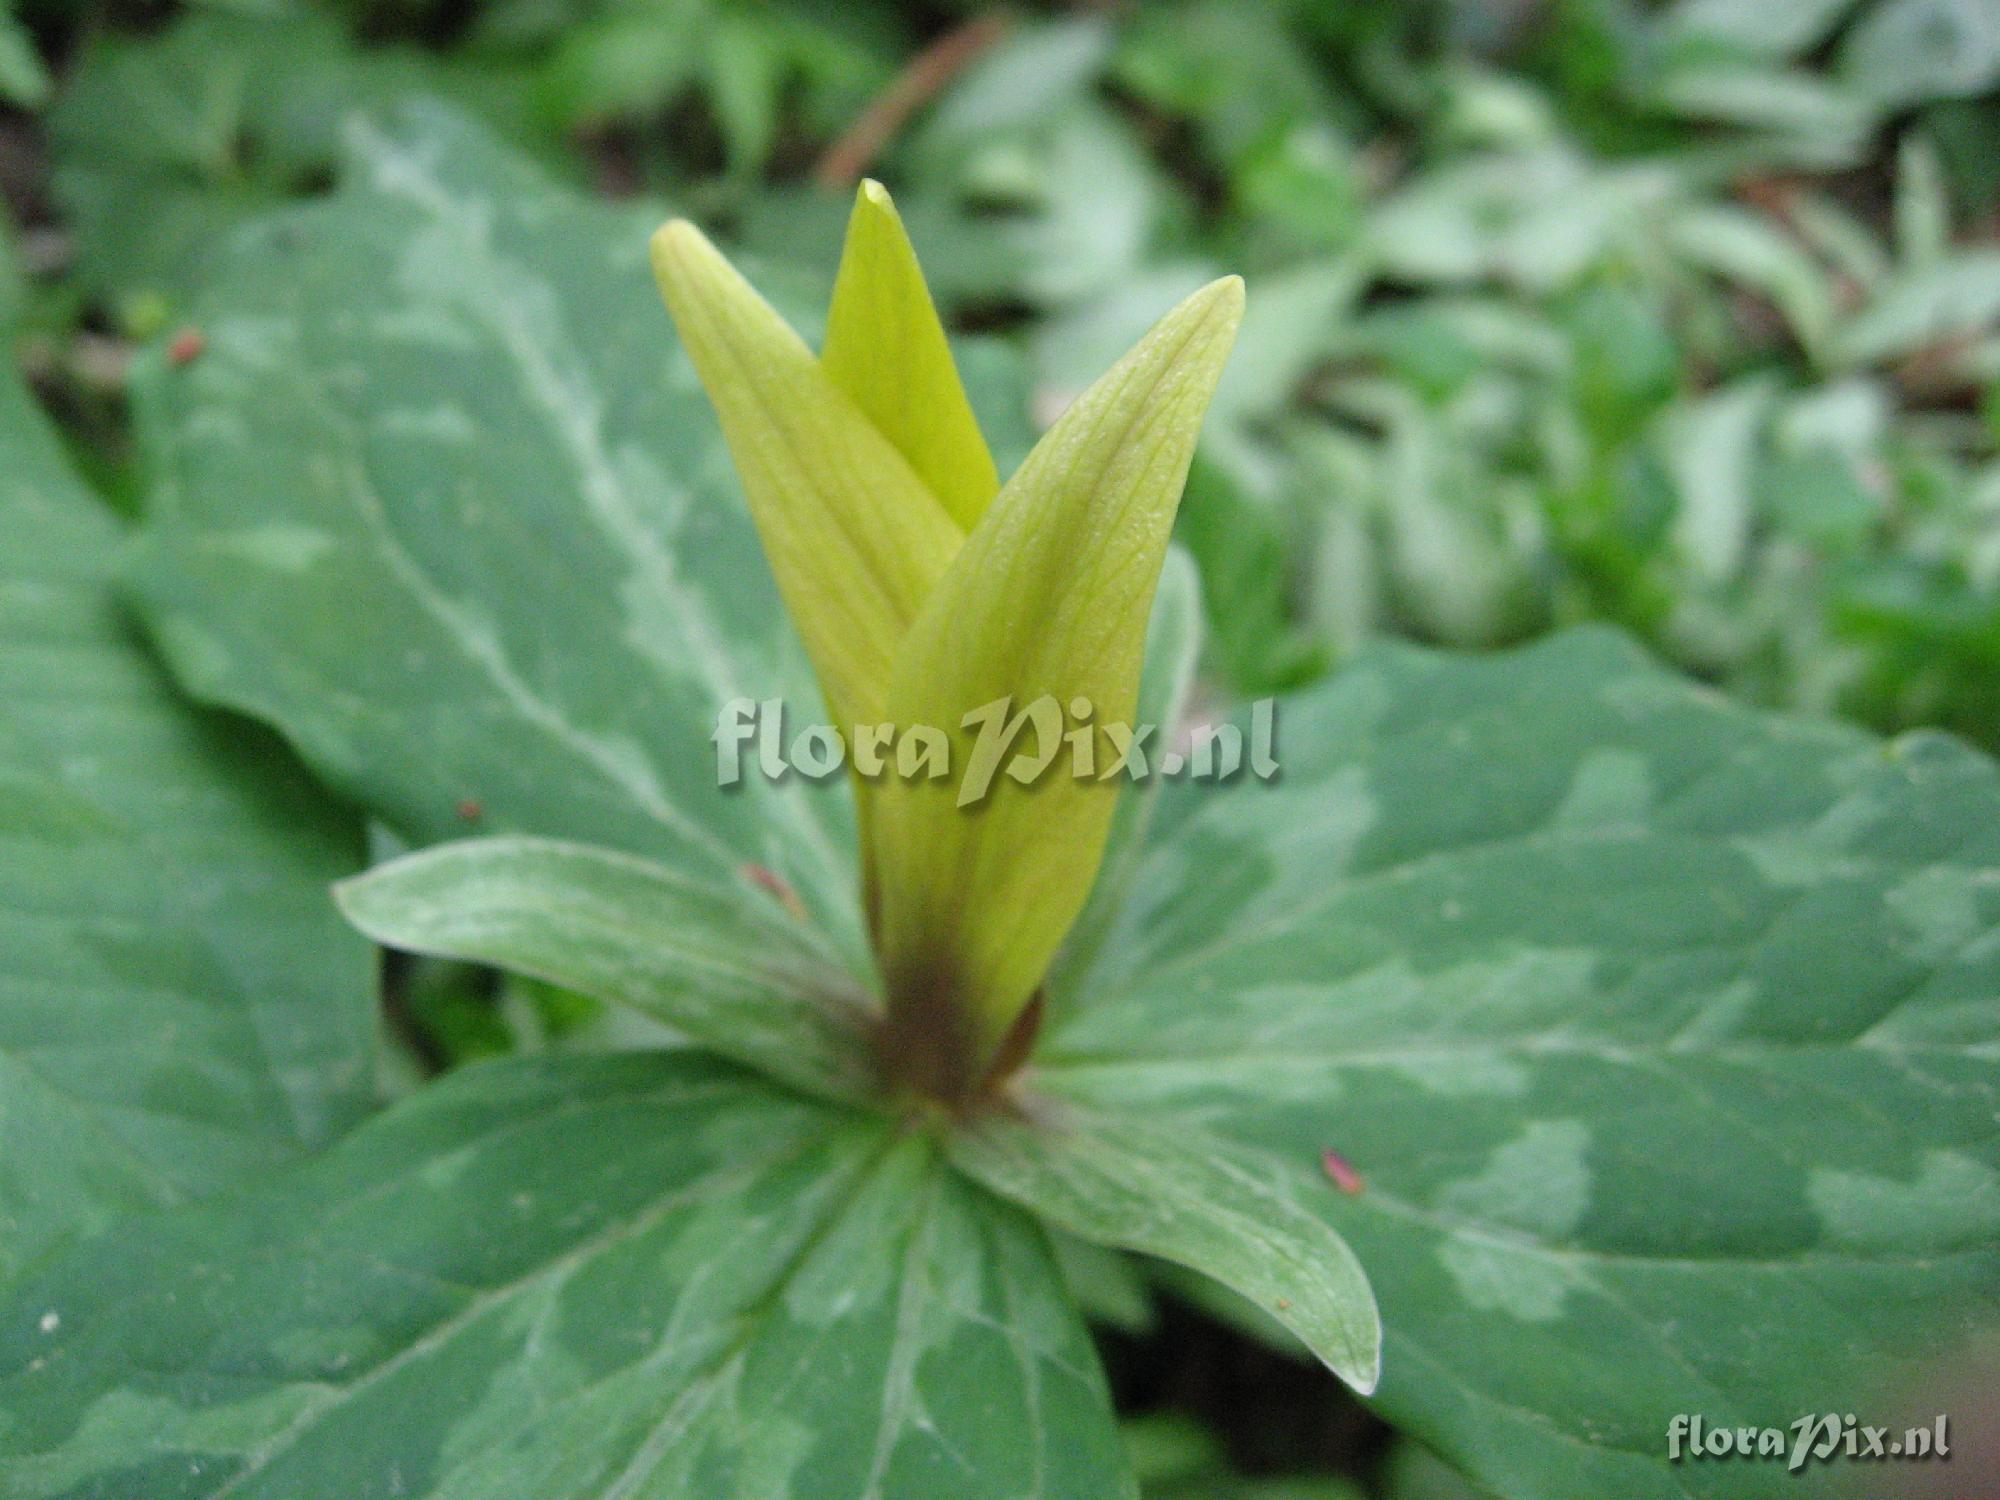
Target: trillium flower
{"x":924,"y":590}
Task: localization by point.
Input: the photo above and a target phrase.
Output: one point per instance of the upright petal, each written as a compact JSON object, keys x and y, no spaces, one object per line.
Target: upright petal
{"x":886,"y":349}
{"x":1048,"y":598}
{"x":854,"y":536}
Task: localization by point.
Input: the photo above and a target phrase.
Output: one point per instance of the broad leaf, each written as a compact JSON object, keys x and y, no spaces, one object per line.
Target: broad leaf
{"x":180,"y":1005}
{"x":743,"y":983}
{"x":441,"y":499}
{"x":1641,"y":1032}
{"x":1657,"y":1043}
{"x":635,"y":1275}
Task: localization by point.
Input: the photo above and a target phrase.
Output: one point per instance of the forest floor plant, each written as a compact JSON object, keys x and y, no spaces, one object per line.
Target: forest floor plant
{"x":1643,"y":1048}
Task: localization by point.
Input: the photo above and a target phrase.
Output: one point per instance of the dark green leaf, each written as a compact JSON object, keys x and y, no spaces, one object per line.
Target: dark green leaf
{"x":441,"y":499}
{"x":1657,"y":1042}
{"x":180,"y":1004}
{"x":636,"y":1275}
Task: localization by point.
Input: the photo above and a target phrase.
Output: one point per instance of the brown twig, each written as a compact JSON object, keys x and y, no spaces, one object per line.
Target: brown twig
{"x":921,"y":80}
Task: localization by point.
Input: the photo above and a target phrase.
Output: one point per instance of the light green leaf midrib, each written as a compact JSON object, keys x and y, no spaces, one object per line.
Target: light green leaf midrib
{"x":737,"y":1349}
{"x":485,"y":1300}
{"x":402,"y":174}
{"x":577,"y":420}
{"x":488,"y":654}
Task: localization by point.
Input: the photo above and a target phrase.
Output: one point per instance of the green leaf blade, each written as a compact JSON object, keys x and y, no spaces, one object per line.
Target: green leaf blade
{"x":180,"y":1006}
{"x":1182,"y":1196}
{"x":567,"y":1278}
{"x":1651,"y":1028}
{"x":504,"y":584}
{"x":629,"y":932}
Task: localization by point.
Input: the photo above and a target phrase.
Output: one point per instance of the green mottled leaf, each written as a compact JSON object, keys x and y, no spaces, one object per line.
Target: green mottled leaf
{"x":180,"y":1005}
{"x":634,"y":1275}
{"x":441,"y":499}
{"x":502,"y":579}
{"x":1115,"y":1179}
{"x":743,"y":983}
{"x":1642,"y":1031}
{"x":1659,"y":1041}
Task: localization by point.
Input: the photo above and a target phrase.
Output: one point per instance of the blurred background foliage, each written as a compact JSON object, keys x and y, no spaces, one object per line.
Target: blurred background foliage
{"x":1681,"y":315}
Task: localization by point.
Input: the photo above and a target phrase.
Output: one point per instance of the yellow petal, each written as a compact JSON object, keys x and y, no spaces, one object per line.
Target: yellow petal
{"x":1048,"y":598}
{"x":886,"y":349}
{"x":854,"y":536}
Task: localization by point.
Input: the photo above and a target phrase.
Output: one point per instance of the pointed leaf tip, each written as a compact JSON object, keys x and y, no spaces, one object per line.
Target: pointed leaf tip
{"x":1048,"y":600}
{"x":855,"y":538}
{"x":886,"y":348}
{"x":1117,"y":1177}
